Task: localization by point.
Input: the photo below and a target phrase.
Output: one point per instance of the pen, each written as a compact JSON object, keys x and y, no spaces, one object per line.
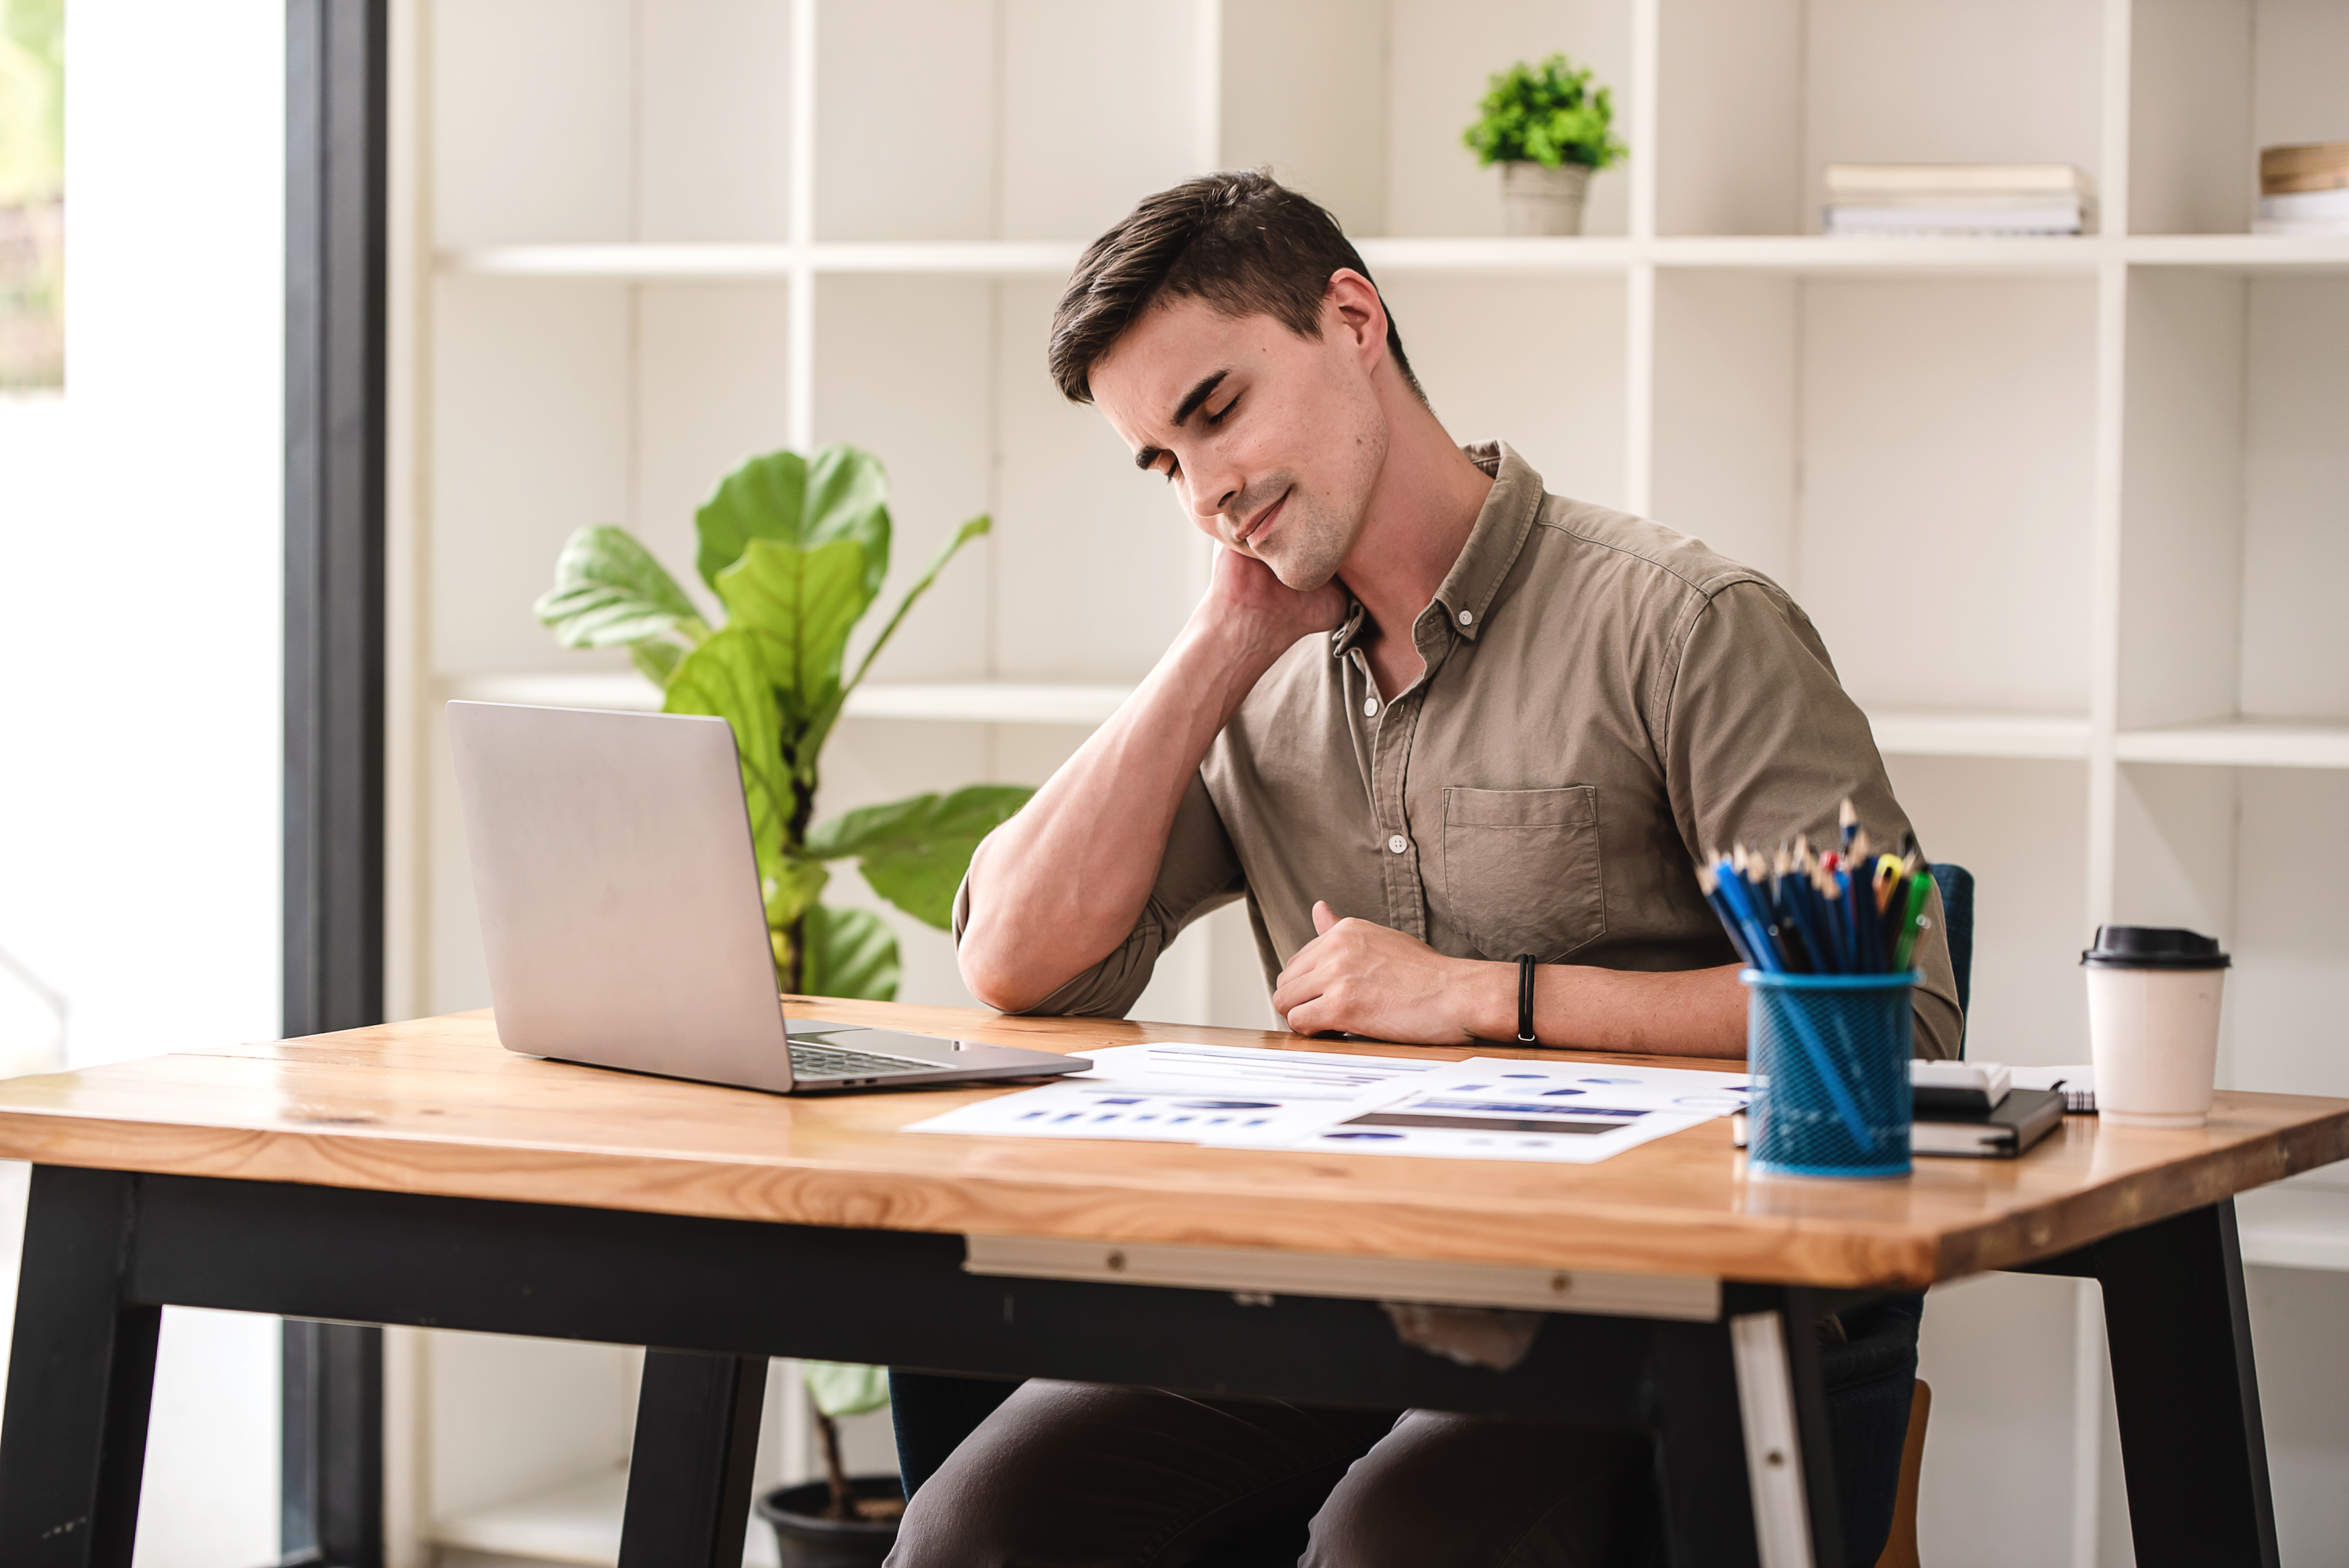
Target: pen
{"x":1757,"y":942}
{"x":1708,"y":880}
{"x":1912,"y":920}
{"x":1771,"y":925}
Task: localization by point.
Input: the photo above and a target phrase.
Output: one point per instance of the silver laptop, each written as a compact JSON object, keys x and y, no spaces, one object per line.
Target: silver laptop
{"x":620,"y":908}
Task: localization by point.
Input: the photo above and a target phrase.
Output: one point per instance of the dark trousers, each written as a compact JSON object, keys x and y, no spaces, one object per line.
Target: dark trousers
{"x":1059,"y":1475}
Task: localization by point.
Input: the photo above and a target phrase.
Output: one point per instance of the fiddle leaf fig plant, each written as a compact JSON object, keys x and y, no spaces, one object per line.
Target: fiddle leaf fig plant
{"x":795,"y":549}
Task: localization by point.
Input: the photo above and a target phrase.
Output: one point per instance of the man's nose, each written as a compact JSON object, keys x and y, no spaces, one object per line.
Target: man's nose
{"x":1215,"y":490}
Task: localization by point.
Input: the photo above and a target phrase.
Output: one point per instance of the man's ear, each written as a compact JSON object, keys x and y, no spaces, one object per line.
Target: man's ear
{"x":1352,"y":306}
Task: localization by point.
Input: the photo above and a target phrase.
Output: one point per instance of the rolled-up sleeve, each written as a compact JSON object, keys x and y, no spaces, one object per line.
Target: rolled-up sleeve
{"x":1761,"y":743}
{"x":1198,"y":874}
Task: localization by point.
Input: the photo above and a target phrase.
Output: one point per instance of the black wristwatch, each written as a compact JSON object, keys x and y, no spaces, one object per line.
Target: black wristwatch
{"x":1526,"y":1000}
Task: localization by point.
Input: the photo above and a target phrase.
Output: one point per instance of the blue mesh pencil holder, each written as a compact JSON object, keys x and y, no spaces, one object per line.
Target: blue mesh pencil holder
{"x":1829,"y":1058}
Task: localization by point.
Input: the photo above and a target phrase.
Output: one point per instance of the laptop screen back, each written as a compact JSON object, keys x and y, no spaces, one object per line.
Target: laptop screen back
{"x":619,"y":892}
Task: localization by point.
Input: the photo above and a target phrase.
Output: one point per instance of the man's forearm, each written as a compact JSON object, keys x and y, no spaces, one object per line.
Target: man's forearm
{"x":1680,"y":1013}
{"x":1358,"y":977}
{"x":1058,"y":886}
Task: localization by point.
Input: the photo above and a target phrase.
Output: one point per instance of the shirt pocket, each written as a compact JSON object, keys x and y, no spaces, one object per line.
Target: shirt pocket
{"x":1522,"y":871}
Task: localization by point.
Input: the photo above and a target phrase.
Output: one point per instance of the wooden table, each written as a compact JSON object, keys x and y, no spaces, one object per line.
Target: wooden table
{"x":418,"y":1174}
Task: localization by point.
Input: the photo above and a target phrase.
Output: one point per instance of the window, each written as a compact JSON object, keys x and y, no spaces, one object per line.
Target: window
{"x":32,"y":194}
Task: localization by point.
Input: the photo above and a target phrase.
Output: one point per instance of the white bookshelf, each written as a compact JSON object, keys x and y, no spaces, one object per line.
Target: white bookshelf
{"x":720,"y":261}
{"x":2069,"y":512}
{"x":2241,"y":743}
{"x":1064,"y":704}
{"x":2015,"y":736}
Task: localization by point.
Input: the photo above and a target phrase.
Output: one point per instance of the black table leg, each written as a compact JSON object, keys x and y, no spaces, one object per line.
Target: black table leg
{"x":1744,"y":1465}
{"x":689,"y":1479}
{"x":1708,"y":1512}
{"x":2185,"y":1393}
{"x":80,"y":1375}
{"x":2185,"y":1390}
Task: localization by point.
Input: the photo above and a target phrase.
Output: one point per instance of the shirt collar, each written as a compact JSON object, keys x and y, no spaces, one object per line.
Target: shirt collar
{"x":1348,"y":629}
{"x":1502,"y":525}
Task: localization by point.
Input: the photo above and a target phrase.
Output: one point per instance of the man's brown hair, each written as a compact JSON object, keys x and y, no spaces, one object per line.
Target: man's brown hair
{"x":1241,"y":241}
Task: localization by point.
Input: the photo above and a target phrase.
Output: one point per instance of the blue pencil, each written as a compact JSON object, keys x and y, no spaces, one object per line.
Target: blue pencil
{"x":1732,"y":891}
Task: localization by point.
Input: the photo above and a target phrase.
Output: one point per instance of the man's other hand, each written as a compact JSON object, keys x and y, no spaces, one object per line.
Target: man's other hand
{"x":1242,"y":592}
{"x":1357,"y":977}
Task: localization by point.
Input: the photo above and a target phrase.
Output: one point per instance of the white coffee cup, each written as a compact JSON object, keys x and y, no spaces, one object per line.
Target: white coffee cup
{"x":2153,"y":1024}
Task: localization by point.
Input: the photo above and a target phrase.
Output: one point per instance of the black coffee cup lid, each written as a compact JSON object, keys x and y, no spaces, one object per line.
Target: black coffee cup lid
{"x":2153,"y":946}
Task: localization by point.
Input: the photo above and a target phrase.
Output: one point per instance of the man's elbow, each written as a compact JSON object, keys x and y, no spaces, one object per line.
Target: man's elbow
{"x":996,"y":984}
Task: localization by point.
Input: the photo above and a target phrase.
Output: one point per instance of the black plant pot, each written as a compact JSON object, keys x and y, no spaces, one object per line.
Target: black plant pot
{"x":803,"y":1539}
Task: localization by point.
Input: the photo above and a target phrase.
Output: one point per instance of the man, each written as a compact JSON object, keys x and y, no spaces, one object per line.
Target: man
{"x":1427,"y":719}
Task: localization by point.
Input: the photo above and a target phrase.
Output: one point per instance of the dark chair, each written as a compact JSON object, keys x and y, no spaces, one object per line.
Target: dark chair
{"x":1957,"y":885}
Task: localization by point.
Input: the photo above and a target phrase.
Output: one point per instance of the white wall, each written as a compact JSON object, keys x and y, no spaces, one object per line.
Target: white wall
{"x":140,"y":682}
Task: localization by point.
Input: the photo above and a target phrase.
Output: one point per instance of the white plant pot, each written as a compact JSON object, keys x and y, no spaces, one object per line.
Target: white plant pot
{"x":1537,"y":200}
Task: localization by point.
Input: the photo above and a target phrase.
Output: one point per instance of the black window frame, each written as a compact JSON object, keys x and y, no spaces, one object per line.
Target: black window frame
{"x":337,"y":163}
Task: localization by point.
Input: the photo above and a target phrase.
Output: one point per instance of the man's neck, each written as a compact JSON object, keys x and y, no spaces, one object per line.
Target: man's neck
{"x":1421,"y":513}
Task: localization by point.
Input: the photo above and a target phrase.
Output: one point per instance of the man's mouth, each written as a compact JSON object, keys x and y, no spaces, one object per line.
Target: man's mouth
{"x":1260,"y":525}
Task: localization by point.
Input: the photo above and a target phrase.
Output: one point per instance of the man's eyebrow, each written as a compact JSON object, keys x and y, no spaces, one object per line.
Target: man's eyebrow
{"x":1147,"y":458}
{"x":1199,"y":394}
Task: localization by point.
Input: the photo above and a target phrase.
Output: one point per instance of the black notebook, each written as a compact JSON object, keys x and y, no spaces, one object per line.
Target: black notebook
{"x":2014,"y":1125}
{"x":2017,"y":1122}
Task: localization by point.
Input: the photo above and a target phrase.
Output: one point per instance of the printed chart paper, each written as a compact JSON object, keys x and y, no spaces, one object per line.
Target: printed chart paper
{"x":1178,"y":1092}
{"x":1490,"y":1108}
{"x":1248,"y":1097}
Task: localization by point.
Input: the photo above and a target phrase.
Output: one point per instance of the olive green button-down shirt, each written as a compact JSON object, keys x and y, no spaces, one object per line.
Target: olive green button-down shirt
{"x":1603,"y":699}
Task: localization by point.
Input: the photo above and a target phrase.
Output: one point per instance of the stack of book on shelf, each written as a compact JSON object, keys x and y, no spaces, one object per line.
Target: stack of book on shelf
{"x":2304,"y":189}
{"x":1958,"y":199}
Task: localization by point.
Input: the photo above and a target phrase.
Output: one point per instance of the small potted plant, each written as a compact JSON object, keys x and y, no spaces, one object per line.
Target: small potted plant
{"x":841,"y":1521}
{"x":1548,"y":128}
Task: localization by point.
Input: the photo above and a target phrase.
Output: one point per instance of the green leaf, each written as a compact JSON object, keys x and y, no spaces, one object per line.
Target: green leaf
{"x":839,"y":493}
{"x":842,"y":1389}
{"x":914,"y":852}
{"x":962,"y":536}
{"x":656,"y":659}
{"x":850,"y":953}
{"x":798,"y":607}
{"x":609,"y":592}
{"x":727,"y":676}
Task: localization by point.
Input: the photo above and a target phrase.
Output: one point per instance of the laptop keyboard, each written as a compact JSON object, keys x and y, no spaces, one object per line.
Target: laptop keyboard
{"x":832,"y":1061}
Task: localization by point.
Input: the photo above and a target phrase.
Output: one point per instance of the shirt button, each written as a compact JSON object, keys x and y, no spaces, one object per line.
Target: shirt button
{"x":1467,"y":618}
{"x":1398,"y":844}
{"x":1370,"y":707}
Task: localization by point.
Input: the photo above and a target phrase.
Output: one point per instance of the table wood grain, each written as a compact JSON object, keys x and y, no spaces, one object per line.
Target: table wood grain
{"x":436,"y":1105}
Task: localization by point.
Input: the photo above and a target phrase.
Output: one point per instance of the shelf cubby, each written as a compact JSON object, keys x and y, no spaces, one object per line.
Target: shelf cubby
{"x":1910,"y":458}
{"x":1758,"y":96}
{"x":2235,"y":517}
{"x":2212,"y":82}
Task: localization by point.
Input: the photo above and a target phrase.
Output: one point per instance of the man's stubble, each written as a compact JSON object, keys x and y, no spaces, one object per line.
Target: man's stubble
{"x":1319,"y":530}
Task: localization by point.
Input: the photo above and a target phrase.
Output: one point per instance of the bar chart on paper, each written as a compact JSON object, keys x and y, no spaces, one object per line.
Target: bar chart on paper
{"x":1481,"y":1109}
